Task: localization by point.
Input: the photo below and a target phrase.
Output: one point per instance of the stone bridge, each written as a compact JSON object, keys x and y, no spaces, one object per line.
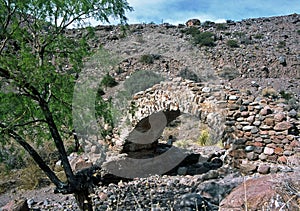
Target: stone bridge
{"x":254,"y":129}
{"x":203,"y":100}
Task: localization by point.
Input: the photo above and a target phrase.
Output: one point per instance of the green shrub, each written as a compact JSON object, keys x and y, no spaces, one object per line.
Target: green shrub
{"x":281,"y":44}
{"x":290,"y":100}
{"x":108,"y":81}
{"x":229,"y":73}
{"x":190,"y":75}
{"x":298,"y":31}
{"x":239,"y":34}
{"x":141,"y":80}
{"x":204,"y":39}
{"x":204,"y":138}
{"x":285,"y":95}
{"x":200,"y":38}
{"x":258,"y":36}
{"x":221,"y":26}
{"x":232,"y":44}
{"x":183,"y":144}
{"x":207,"y":24}
{"x":294,"y":104}
{"x":147,"y":59}
{"x":32,"y":177}
{"x":105,"y":113}
{"x":246,"y":41}
{"x":191,"y":31}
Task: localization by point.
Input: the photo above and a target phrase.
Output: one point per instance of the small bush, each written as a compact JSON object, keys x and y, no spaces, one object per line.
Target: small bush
{"x":269,"y":92}
{"x":221,"y":26}
{"x":182,"y":144}
{"x":239,"y":34}
{"x":201,"y":38}
{"x":108,"y":81}
{"x":208,"y":24}
{"x":204,"y":138}
{"x":230,"y":21}
{"x":191,"y":31}
{"x":204,"y":39}
{"x":246,"y":41}
{"x":298,"y":31}
{"x":281,"y":44}
{"x":294,"y":104}
{"x":105,"y":114}
{"x":285,"y":95}
{"x":141,"y":80}
{"x":32,"y":177}
{"x":232,"y":44}
{"x":229,"y":73}
{"x":190,"y":75}
{"x":258,"y":36}
{"x":147,"y":59}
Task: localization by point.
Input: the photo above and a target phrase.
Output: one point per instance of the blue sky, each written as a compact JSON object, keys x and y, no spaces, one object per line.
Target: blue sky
{"x":179,"y":11}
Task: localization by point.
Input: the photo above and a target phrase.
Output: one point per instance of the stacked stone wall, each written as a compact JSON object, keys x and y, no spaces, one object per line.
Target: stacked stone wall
{"x":261,"y":130}
{"x":254,"y":130}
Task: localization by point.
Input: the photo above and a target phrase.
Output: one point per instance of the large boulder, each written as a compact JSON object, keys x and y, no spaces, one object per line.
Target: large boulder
{"x":16,"y":205}
{"x":271,"y":192}
{"x":193,"y":22}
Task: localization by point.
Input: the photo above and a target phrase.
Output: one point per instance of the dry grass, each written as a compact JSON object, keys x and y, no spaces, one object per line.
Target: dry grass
{"x":269,"y":92}
{"x":184,"y":144}
{"x":32,"y":177}
{"x":204,"y":138}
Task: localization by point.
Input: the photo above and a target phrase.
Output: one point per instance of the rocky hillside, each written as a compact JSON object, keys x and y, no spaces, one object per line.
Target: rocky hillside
{"x":240,"y":84}
{"x":265,"y":50}
{"x":253,"y":63}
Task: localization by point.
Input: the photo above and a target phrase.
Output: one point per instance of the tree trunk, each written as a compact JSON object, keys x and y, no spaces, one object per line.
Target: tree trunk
{"x":84,"y":200}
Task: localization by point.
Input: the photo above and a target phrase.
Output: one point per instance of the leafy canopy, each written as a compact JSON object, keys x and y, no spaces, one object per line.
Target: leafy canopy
{"x":39,"y":65}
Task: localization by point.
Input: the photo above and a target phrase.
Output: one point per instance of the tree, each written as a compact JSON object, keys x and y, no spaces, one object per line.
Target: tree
{"x":38,"y":68}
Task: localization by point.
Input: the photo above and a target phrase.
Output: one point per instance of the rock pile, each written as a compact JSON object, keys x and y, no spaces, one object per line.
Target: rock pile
{"x":167,"y":192}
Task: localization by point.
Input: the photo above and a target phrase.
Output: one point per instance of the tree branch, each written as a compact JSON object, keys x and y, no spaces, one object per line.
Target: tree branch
{"x":30,"y":122}
{"x":41,"y":163}
{"x":50,"y":122}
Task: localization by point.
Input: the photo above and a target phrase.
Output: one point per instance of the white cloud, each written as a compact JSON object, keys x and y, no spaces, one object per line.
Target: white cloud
{"x":179,"y":11}
{"x":159,"y":11}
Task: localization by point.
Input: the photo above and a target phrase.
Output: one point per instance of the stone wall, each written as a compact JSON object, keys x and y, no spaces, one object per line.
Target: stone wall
{"x":254,"y":130}
{"x":261,"y":129}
